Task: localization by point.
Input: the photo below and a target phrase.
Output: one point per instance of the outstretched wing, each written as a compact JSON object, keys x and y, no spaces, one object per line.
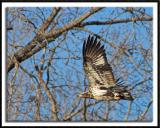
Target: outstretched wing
{"x":96,"y":66}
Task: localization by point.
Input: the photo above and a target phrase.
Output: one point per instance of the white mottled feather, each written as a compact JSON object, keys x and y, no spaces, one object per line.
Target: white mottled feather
{"x":102,"y":84}
{"x":97,"y":69}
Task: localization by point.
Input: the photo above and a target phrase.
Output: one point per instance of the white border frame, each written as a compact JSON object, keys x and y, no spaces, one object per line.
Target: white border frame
{"x":86,"y":4}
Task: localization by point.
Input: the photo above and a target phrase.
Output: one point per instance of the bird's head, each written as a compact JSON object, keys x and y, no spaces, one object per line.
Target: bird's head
{"x":85,"y":95}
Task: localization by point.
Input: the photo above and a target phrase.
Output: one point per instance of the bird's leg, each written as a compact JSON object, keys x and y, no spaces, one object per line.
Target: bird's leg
{"x":117,"y":96}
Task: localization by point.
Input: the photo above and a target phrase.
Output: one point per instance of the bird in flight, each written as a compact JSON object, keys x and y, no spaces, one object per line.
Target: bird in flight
{"x":102,"y":83}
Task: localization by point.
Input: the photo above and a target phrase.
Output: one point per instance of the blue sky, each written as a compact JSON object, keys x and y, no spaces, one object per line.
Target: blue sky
{"x":115,"y":33}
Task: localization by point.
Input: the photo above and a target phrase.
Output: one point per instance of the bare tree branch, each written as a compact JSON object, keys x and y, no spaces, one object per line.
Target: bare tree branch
{"x":116,"y":21}
{"x":30,"y":49}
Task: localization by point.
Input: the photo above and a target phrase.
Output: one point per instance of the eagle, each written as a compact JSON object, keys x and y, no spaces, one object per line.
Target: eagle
{"x":102,"y":83}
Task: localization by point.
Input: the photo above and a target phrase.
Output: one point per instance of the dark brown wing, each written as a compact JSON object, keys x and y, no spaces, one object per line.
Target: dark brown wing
{"x":96,"y":66}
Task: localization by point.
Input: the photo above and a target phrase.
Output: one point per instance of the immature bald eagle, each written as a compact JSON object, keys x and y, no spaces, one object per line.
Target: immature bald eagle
{"x":102,"y":83}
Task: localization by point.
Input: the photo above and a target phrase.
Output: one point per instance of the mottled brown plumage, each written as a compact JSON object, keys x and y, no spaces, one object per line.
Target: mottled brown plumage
{"x":102,"y":83}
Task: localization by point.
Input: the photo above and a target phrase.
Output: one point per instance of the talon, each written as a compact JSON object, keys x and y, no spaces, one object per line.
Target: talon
{"x":117,"y":96}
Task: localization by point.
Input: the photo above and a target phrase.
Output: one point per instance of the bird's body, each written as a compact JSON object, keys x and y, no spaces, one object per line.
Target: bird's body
{"x":102,"y":83}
